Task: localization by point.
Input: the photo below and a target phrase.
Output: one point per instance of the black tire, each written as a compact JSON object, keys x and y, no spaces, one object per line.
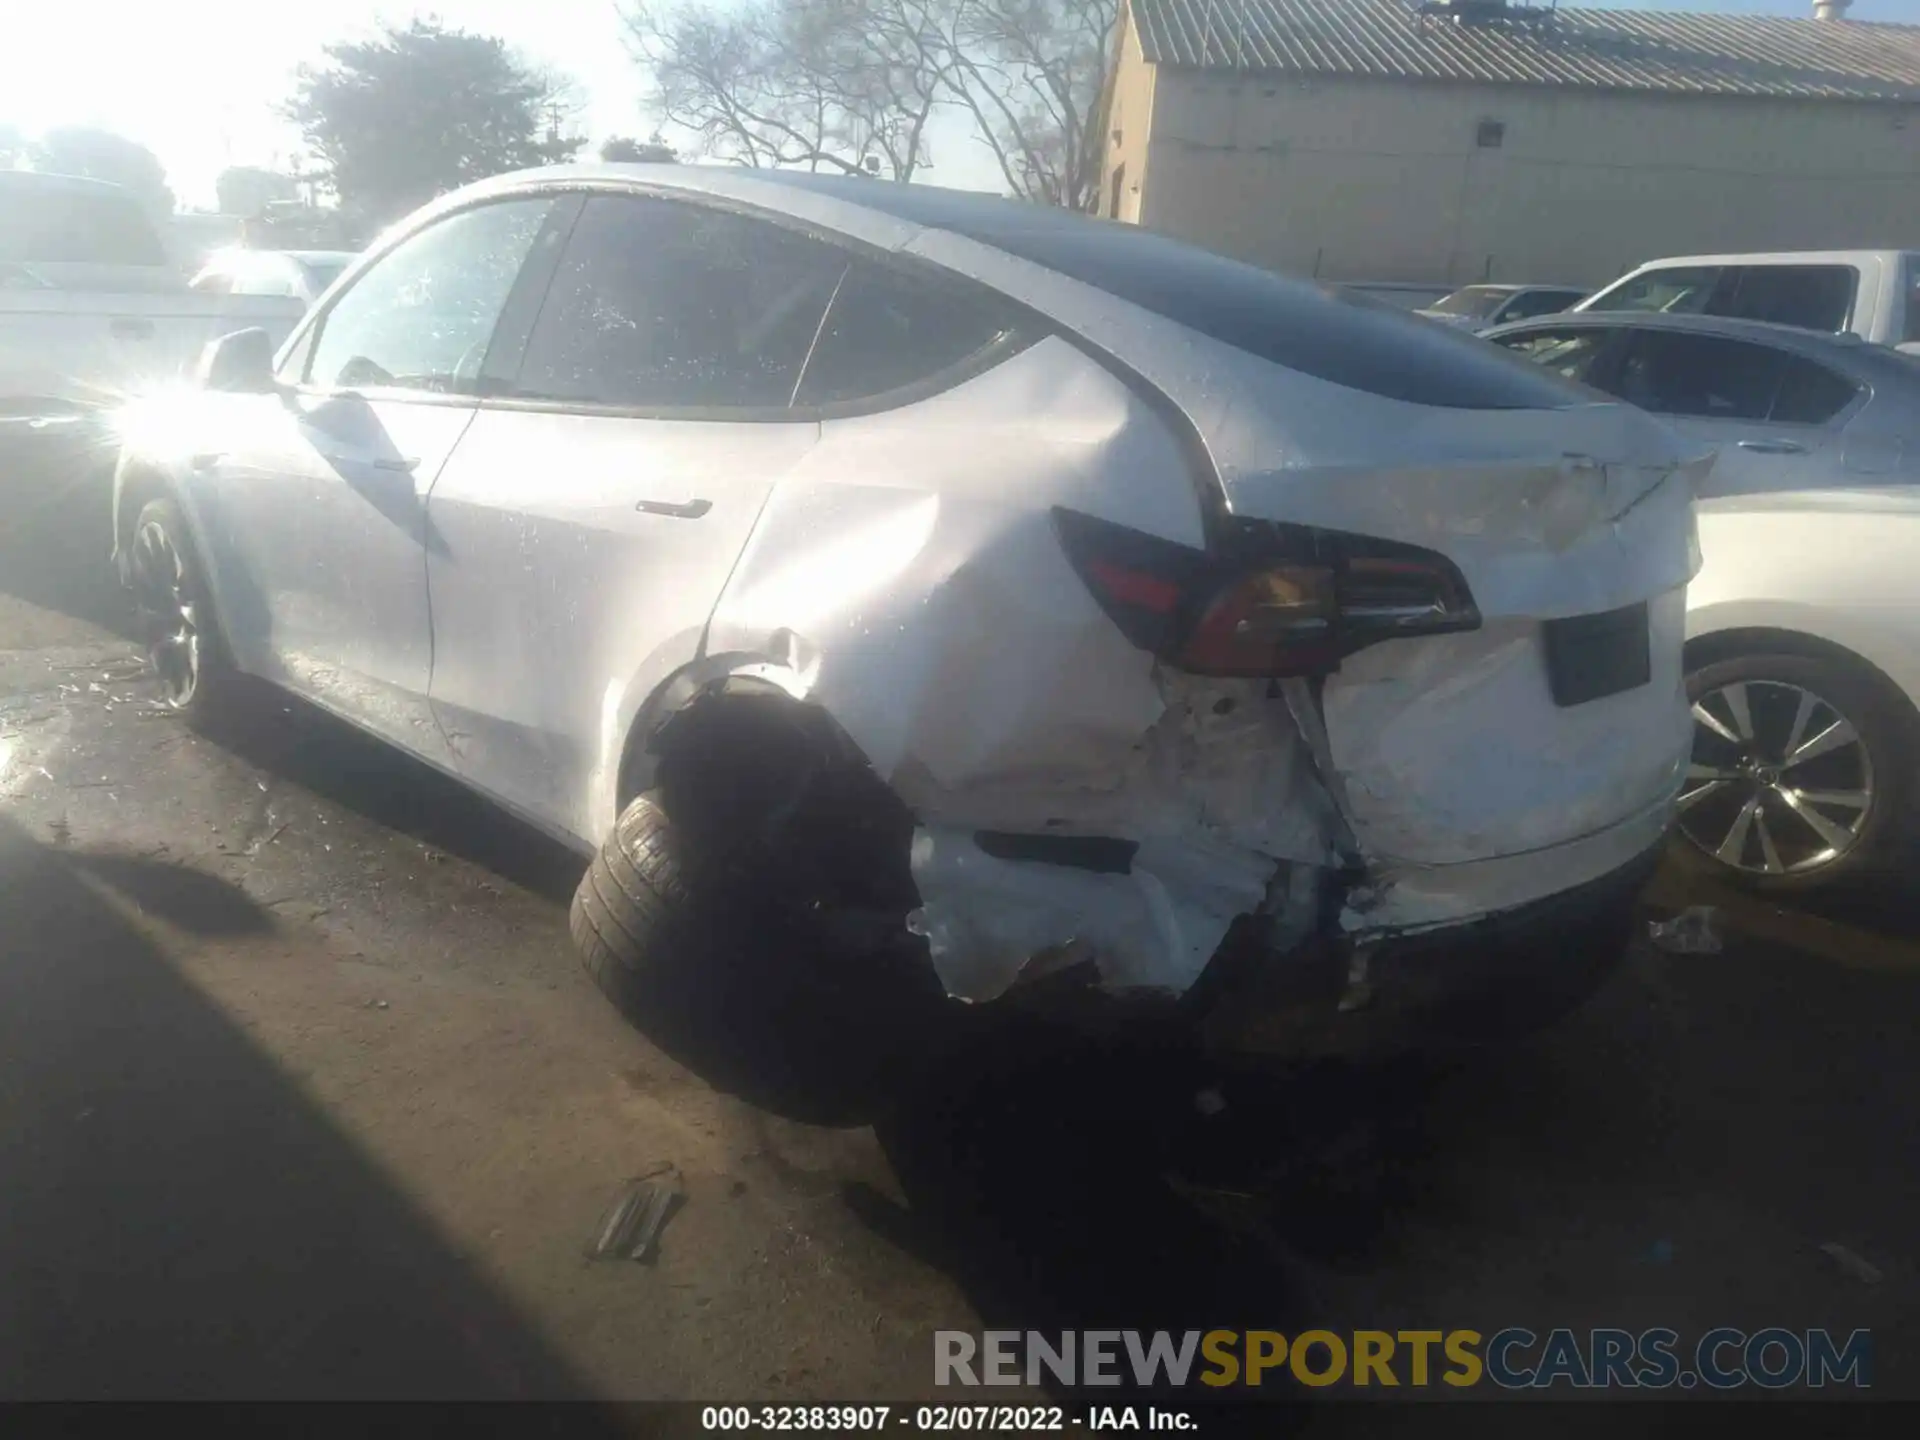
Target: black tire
{"x":174,"y":611}
{"x":1884,"y":723}
{"x":706,"y":954}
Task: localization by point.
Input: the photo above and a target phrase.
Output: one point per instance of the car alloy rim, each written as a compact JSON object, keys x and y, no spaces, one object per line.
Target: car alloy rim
{"x":168,"y":616}
{"x":1780,"y":782}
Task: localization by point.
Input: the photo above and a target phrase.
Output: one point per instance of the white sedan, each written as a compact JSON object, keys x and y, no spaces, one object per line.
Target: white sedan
{"x":1803,"y":657}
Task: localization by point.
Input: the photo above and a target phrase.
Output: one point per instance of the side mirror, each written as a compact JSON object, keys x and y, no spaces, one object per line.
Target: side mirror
{"x":241,"y":362}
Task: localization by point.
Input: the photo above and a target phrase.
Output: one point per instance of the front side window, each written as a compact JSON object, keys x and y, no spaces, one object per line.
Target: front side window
{"x":422,"y":316}
{"x":659,"y":305}
{"x":887,"y":331}
{"x":1566,"y":352}
{"x":1671,"y":290}
{"x":1808,"y":297}
{"x":1700,"y":376}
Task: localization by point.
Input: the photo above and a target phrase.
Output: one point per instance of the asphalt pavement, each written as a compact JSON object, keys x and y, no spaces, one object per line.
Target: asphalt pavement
{"x":303,"y":1093}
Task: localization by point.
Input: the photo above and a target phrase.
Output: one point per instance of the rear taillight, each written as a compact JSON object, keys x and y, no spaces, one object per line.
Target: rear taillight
{"x":1276,"y":600}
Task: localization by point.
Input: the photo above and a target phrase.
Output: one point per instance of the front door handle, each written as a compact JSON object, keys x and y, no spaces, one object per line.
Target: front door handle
{"x":1772,"y":447}
{"x":399,"y":464}
{"x":689,"y":510}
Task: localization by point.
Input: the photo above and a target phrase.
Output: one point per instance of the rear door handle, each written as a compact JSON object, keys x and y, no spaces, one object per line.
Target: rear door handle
{"x":132,"y":329}
{"x":689,"y":510}
{"x":1772,"y":447}
{"x":398,"y":464}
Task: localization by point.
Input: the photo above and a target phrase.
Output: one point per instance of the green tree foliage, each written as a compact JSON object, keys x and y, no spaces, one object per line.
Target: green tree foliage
{"x":103,"y":155}
{"x":421,"y":110}
{"x":623,"y":150}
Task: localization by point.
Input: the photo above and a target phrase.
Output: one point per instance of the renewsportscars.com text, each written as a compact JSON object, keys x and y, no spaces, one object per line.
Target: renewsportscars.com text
{"x":1513,"y":1359}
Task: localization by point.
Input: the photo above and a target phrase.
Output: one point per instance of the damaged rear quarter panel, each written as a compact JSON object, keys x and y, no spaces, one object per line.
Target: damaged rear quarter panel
{"x":908,"y":578}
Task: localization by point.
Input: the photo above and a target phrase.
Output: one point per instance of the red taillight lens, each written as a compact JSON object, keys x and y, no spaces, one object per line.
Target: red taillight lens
{"x":1290,"y":601}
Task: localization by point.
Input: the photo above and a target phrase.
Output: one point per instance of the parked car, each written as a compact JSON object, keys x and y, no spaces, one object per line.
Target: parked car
{"x":1874,"y":294}
{"x":302,"y":274}
{"x":1803,"y":659}
{"x":1400,"y":295}
{"x":92,"y":309}
{"x":905,"y":593}
{"x":1788,"y":408}
{"x":1481,"y":307}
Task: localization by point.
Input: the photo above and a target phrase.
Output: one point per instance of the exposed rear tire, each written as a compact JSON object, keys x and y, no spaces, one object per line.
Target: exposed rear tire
{"x":174,"y":611}
{"x":1836,"y":816}
{"x":705,"y":950}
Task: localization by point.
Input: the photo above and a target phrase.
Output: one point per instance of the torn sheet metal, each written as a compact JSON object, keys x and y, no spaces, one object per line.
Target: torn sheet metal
{"x":1154,"y":928}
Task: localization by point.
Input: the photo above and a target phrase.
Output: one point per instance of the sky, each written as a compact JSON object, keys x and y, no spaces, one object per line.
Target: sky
{"x":198,"y":81}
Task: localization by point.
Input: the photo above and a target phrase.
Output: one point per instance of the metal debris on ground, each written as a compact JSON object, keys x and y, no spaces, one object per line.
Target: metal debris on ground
{"x":1694,"y":931}
{"x":631,"y":1228}
{"x":1865,"y":1271}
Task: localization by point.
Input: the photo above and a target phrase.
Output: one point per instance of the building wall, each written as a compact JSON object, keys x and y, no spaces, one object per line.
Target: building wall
{"x":1372,"y":180}
{"x":1129,"y":126}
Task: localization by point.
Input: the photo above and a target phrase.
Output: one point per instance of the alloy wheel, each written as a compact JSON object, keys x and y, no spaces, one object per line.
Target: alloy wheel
{"x":1780,"y":783}
{"x":169,"y":618}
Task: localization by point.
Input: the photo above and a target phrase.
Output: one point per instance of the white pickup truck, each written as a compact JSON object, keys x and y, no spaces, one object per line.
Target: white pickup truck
{"x":93,"y":309}
{"x":1874,"y":294}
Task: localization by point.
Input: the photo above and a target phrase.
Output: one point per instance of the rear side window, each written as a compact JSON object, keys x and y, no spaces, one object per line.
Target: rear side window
{"x":47,"y":226}
{"x":1808,"y":297}
{"x":887,"y":331}
{"x":1810,"y":394}
{"x":1670,"y":290}
{"x":1702,"y":376}
{"x":662,"y":305}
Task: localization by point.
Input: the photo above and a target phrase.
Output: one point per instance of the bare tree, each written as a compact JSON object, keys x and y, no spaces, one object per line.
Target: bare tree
{"x":1033,"y":74}
{"x":852,"y":85}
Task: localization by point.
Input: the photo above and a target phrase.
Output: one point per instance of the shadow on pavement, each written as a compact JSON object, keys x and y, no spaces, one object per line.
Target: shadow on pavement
{"x":286,"y":736}
{"x":179,"y":1220}
{"x":56,"y":541}
{"x":1072,"y":1183}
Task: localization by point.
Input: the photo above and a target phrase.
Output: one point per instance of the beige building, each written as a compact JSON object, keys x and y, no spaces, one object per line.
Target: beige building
{"x":1462,"y":140}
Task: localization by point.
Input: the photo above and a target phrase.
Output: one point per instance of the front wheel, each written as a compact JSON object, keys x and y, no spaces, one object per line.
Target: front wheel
{"x":1801,"y":771}
{"x":175,"y":616}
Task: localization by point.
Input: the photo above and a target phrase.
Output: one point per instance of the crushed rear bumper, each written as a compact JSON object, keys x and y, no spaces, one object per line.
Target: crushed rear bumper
{"x":1488,"y":980}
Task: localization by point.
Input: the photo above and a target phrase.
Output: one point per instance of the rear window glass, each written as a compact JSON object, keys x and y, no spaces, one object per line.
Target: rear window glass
{"x":1317,"y":331}
{"x":72,"y":227}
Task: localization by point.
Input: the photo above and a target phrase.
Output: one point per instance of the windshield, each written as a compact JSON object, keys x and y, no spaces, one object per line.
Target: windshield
{"x":322,"y":273}
{"x":1476,"y":301}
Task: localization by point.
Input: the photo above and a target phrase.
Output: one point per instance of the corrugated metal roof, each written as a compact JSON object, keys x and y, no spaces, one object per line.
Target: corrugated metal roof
{"x":1665,"y":51}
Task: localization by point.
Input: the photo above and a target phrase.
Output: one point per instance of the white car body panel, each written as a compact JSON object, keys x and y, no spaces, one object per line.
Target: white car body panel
{"x":1838,"y":565}
{"x":302,"y":484}
{"x":1879,"y":303}
{"x":97,"y":348}
{"x":900,"y":570}
{"x":552,"y":588}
